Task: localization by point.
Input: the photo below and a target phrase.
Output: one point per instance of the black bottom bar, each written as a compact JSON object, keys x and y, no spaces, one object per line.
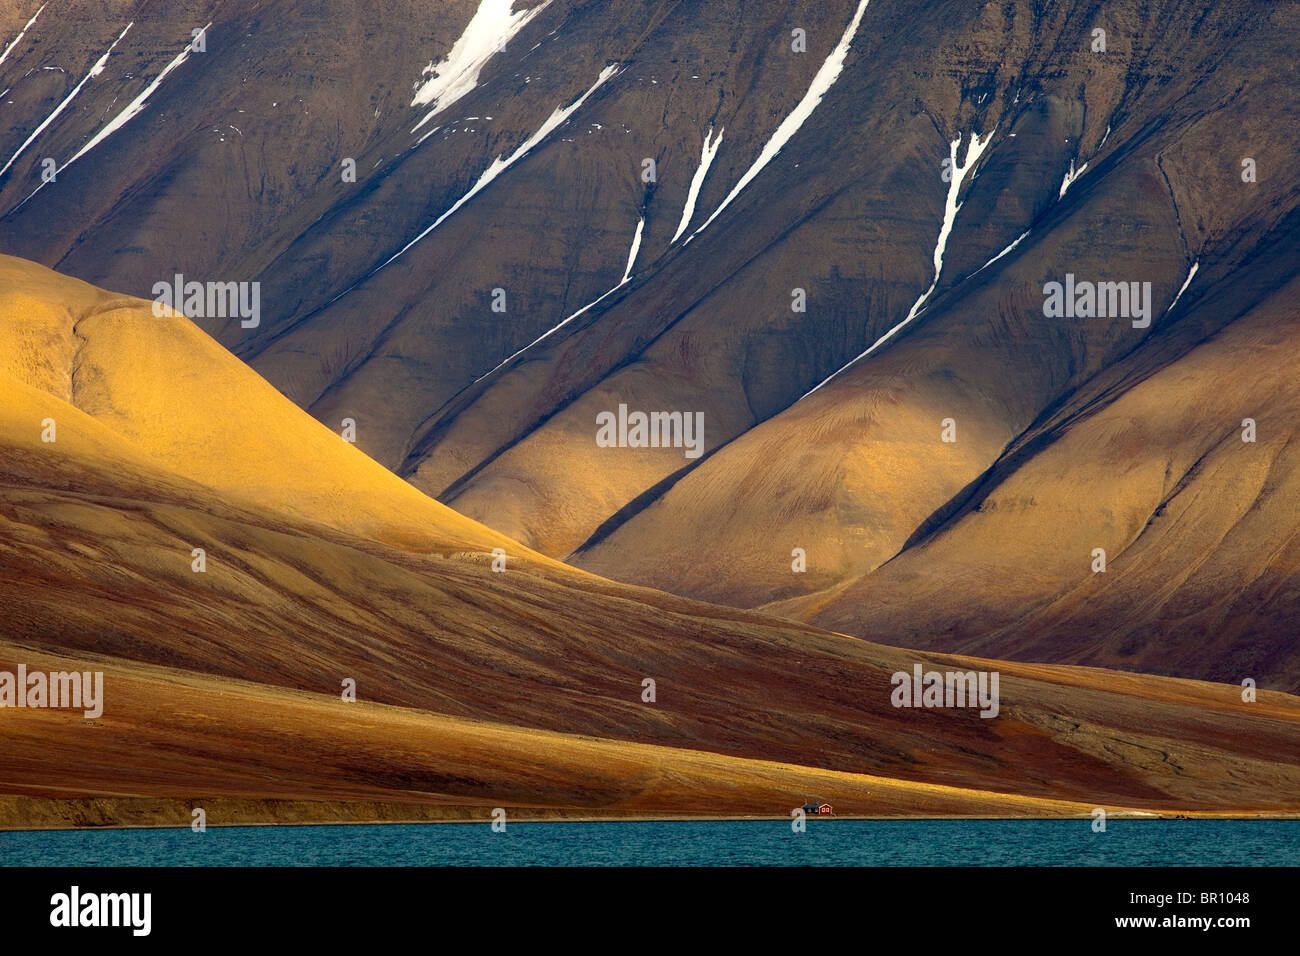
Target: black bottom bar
{"x":642,"y":906}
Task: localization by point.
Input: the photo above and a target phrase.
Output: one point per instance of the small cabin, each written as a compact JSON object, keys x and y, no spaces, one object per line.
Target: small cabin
{"x":821,"y":809}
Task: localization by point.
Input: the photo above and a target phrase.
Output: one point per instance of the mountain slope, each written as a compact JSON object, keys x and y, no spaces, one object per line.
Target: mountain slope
{"x":1199,"y":528}
{"x":854,"y":211}
{"x":1144,"y":460}
{"x":98,"y":528}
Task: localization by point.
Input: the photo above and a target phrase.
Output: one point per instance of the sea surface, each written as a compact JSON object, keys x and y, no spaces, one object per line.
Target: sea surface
{"x":694,"y":843}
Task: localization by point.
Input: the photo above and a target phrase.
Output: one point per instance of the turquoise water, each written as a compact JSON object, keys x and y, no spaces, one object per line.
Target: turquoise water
{"x":728,"y":843}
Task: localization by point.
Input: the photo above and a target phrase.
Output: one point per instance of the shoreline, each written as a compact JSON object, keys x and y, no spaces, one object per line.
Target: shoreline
{"x":554,"y":817}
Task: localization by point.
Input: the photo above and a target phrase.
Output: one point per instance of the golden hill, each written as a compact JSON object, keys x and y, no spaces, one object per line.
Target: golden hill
{"x":178,"y":399}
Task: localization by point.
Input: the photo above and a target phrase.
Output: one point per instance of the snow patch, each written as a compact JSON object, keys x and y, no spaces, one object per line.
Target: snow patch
{"x":499,"y":165}
{"x":95,"y":70}
{"x":636,"y":246}
{"x":707,"y":153}
{"x":549,"y":332}
{"x":627,"y":275}
{"x":1001,"y":254}
{"x":21,"y":33}
{"x":1070,"y":177}
{"x":122,"y":118}
{"x":487,"y":33}
{"x":134,"y":107}
{"x":1190,"y":275}
{"x":821,"y":84}
{"x":952,"y":206}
